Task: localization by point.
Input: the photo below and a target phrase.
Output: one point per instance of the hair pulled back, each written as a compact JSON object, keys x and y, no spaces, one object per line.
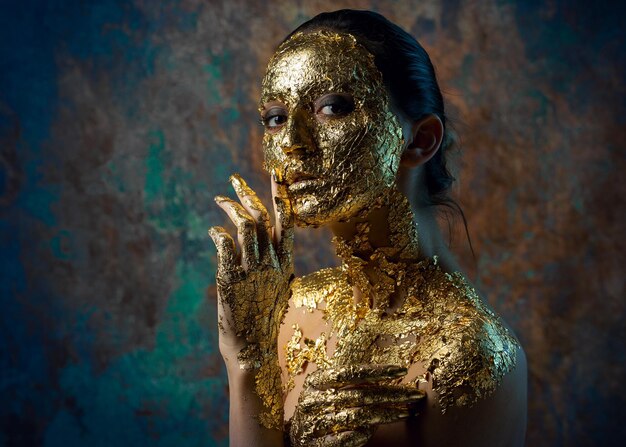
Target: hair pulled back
{"x":407,"y":73}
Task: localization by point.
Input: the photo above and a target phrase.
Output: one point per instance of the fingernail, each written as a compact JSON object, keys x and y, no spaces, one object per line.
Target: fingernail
{"x":213,"y":233}
{"x":236,"y":180}
{"x":220,"y":199}
{"x":416,"y":394}
{"x":238,"y":184}
{"x":278,"y":177}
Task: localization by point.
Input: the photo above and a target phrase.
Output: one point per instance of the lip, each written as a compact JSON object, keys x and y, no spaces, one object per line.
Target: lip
{"x":298,"y":176}
{"x":303,"y":185}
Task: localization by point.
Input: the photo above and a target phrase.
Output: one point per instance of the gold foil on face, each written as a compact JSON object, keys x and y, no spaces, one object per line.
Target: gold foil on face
{"x":411,"y":312}
{"x":440,"y":321}
{"x":353,"y":158}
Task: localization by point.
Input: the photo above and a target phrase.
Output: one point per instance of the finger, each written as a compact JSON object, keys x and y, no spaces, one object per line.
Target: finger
{"x":358,"y":397}
{"x":283,"y":232}
{"x":323,"y":379}
{"x":258,"y":212}
{"x":354,"y":418}
{"x":356,"y":438}
{"x":226,"y":251}
{"x":246,"y":230}
{"x":251,"y":202}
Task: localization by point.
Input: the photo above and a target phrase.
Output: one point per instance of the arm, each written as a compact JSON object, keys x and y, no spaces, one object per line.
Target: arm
{"x":245,"y":406}
{"x":498,"y":420}
{"x":253,"y":291}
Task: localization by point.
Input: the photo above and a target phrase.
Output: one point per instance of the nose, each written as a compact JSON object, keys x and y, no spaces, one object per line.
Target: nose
{"x":297,"y":139}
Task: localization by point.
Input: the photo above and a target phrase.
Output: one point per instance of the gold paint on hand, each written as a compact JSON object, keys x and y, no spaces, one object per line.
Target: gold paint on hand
{"x":343,"y":406}
{"x":254,"y":287}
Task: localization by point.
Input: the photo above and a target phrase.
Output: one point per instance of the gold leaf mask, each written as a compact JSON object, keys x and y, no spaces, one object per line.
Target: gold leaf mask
{"x":330,"y":130}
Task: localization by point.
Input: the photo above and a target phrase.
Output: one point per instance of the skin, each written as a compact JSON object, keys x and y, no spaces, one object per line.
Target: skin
{"x":385,"y":413}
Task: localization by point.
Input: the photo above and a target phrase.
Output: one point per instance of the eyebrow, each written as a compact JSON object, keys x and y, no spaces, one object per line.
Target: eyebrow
{"x":281,"y":94}
{"x":270,"y":104}
{"x":339,"y":91}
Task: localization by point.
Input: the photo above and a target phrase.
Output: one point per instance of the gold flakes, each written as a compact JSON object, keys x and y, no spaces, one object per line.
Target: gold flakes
{"x":441,"y":322}
{"x":350,"y":157}
{"x":298,"y":355}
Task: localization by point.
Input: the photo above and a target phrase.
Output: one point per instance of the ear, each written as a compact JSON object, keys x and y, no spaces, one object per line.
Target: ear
{"x":423,"y":142}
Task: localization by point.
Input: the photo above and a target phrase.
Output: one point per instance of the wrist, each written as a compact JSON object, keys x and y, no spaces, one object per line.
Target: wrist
{"x":254,"y":375}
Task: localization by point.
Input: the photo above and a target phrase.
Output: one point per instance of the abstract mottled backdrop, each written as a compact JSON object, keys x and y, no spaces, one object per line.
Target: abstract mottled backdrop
{"x":120,"y":120}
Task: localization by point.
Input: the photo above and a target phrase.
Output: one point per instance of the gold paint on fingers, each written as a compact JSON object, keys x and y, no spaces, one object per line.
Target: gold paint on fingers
{"x":347,"y":439}
{"x":353,"y":397}
{"x":246,"y":230}
{"x":250,"y":200}
{"x":225,"y":247}
{"x":353,"y":374}
{"x":354,"y":418}
{"x":256,"y":299}
{"x":257,"y":210}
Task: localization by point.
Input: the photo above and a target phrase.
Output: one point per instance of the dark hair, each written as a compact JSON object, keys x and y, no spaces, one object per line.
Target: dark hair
{"x":410,"y":77}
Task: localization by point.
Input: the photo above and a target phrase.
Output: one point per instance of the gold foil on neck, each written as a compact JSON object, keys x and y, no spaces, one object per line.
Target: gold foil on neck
{"x":411,"y":312}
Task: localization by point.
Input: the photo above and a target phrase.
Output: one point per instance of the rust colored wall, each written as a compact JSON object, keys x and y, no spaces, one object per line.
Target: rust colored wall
{"x":121,"y":120}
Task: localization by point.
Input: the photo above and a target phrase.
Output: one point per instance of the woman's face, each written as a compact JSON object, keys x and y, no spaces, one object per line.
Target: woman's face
{"x":329,"y":128}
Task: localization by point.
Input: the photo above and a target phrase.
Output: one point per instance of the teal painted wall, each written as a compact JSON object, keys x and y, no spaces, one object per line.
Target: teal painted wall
{"x":119,"y":122}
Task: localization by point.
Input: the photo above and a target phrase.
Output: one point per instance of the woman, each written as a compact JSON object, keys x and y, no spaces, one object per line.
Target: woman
{"x":394,"y":347}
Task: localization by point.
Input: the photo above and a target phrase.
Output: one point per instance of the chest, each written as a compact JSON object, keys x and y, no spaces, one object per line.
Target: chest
{"x":311,"y":338}
{"x":440,"y":331}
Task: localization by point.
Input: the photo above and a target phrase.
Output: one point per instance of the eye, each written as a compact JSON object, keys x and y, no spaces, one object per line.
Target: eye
{"x":274,"y":117}
{"x":335,"y":105}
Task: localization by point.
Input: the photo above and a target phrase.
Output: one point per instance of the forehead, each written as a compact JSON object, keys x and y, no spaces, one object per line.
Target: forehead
{"x":315,"y":63}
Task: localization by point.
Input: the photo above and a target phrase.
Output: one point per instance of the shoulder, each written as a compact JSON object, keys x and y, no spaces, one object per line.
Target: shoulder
{"x":477,"y":367}
{"x":496,"y":420}
{"x":468,"y":350}
{"x":471,"y":367}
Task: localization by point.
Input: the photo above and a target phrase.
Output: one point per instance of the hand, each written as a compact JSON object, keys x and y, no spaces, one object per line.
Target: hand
{"x":343,"y":406}
{"x":253,"y":287}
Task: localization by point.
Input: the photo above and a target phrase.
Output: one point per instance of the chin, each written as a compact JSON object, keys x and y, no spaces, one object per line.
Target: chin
{"x":310,"y":212}
{"x":308,"y":215}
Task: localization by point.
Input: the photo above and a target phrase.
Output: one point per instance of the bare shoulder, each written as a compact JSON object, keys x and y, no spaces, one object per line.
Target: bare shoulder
{"x":466,"y":348}
{"x":471,"y":366}
{"x":495,"y":420}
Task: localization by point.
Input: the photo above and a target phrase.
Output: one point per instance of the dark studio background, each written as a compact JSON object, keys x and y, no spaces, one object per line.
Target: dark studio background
{"x":119,"y":122}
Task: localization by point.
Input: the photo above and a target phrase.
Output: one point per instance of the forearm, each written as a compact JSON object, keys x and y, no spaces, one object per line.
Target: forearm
{"x":253,"y":289}
{"x":246,"y":406}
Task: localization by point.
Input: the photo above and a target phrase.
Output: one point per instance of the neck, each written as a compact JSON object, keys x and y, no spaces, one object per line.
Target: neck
{"x":402,"y":225}
{"x":389,"y":225}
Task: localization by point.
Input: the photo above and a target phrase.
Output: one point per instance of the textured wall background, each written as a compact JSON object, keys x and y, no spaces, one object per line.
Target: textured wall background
{"x":119,"y":121}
